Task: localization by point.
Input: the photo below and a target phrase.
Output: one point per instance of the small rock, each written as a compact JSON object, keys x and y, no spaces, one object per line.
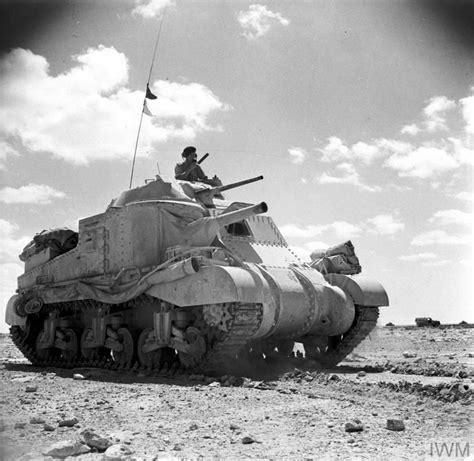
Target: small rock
{"x":361,"y":374}
{"x":334,"y":378}
{"x":66,"y":448}
{"x":3,"y":426}
{"x":354,"y":426}
{"x":214,"y":384}
{"x":116,"y":452}
{"x":234,"y":427}
{"x":463,"y":388}
{"x":409,"y":355}
{"x":36,"y":420}
{"x":462,"y":374}
{"x":94,"y":440}
{"x":31,"y":388}
{"x":248,"y":440}
{"x":48,"y":428}
{"x":78,"y":377}
{"x":350,"y":441}
{"x":330,"y":425}
{"x":19,"y":426}
{"x":395,"y":425}
{"x":193,"y":427}
{"x":68,"y":422}
{"x":22,"y":379}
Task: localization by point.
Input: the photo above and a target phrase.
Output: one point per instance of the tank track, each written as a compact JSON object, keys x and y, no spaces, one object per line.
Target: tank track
{"x":220,"y":358}
{"x":246,"y":319}
{"x":365,"y":321}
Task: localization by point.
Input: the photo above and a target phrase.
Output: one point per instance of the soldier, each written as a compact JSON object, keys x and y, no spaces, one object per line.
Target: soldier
{"x":189,"y":170}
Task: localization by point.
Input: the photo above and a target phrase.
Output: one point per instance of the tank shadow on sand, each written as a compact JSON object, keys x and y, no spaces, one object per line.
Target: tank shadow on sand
{"x":261,"y":370}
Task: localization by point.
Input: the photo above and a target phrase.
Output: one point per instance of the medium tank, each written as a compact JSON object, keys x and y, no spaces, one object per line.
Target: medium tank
{"x":174,"y":275}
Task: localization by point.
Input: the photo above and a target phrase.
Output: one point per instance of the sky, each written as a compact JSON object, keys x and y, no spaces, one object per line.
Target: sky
{"x":359,"y":115}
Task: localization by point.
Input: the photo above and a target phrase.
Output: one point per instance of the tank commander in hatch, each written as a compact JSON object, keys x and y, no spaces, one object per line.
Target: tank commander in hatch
{"x":189,"y":170}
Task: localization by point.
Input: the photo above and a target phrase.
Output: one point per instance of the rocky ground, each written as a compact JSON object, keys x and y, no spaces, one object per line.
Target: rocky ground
{"x":403,"y":394}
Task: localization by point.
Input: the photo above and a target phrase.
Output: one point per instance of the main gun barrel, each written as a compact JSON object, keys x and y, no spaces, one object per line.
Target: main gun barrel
{"x":239,"y":183}
{"x":225,"y":219}
{"x":216,"y":190}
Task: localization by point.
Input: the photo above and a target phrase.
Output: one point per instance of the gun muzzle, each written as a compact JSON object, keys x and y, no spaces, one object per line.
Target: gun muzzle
{"x":225,"y":219}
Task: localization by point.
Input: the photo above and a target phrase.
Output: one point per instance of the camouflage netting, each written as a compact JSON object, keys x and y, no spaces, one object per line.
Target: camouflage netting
{"x":339,"y":259}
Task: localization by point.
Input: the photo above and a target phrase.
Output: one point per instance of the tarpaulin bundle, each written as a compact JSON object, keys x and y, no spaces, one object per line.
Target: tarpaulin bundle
{"x":339,"y":259}
{"x":60,"y":240}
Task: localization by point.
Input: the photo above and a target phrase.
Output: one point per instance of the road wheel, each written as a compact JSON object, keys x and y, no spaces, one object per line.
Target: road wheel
{"x":70,"y":354}
{"x":197,"y":349}
{"x":148,"y":359}
{"x":125,"y":356}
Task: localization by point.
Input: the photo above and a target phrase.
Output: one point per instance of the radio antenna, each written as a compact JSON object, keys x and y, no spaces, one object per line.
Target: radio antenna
{"x":144,"y":107}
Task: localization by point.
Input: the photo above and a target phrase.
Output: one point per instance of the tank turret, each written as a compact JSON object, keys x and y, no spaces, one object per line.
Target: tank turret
{"x":172,"y":273}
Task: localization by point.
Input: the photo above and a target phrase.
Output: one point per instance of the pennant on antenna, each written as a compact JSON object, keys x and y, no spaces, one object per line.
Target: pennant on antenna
{"x":149,"y":94}
{"x":146,"y":110}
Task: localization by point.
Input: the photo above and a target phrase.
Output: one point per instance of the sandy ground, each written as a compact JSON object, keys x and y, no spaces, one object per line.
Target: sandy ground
{"x":421,"y":377}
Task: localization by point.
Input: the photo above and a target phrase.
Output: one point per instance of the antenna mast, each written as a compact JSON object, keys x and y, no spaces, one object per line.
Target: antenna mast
{"x":144,"y":99}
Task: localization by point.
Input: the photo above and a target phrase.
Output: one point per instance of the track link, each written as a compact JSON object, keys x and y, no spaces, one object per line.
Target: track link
{"x":364,"y":322}
{"x":246,"y":319}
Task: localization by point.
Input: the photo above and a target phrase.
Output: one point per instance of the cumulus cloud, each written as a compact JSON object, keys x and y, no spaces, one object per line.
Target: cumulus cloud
{"x":417,"y":257}
{"x":384,"y":224}
{"x":340,"y":229}
{"x":345,"y":230}
{"x":6,"y":150}
{"x":447,"y":217}
{"x":423,"y":162}
{"x":304,"y":251}
{"x":257,"y":21}
{"x":462,"y":152}
{"x":346,"y":174}
{"x":296,"y":231}
{"x":88,"y":113}
{"x":150,"y":8}
{"x":297,"y":154}
{"x":39,"y":194}
{"x":11,"y":245}
{"x":410,"y":129}
{"x":435,"y":111}
{"x":336,"y":150}
{"x":438,"y":263}
{"x":467,"y":105}
{"x":464,"y":196}
{"x":441,"y":237}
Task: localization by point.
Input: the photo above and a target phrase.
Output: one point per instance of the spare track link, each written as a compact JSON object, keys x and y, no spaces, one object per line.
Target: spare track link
{"x":246,"y":319}
{"x":364,"y":322}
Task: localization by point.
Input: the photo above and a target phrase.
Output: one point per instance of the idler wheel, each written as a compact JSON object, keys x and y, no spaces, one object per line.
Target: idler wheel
{"x":44,"y":353}
{"x":197,"y":348}
{"x":149,"y":359}
{"x":125,"y":356}
{"x":70,"y":338}
{"x":90,"y":353}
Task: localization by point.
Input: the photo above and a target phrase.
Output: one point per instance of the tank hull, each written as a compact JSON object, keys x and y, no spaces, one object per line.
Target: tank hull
{"x":167,"y":280}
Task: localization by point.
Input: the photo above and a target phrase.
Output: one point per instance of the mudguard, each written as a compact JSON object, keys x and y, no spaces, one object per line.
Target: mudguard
{"x":364,"y":291}
{"x":11,"y":317}
{"x":211,"y":285}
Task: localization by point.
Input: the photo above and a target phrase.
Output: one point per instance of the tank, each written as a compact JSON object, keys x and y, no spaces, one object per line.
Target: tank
{"x":174,"y":275}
